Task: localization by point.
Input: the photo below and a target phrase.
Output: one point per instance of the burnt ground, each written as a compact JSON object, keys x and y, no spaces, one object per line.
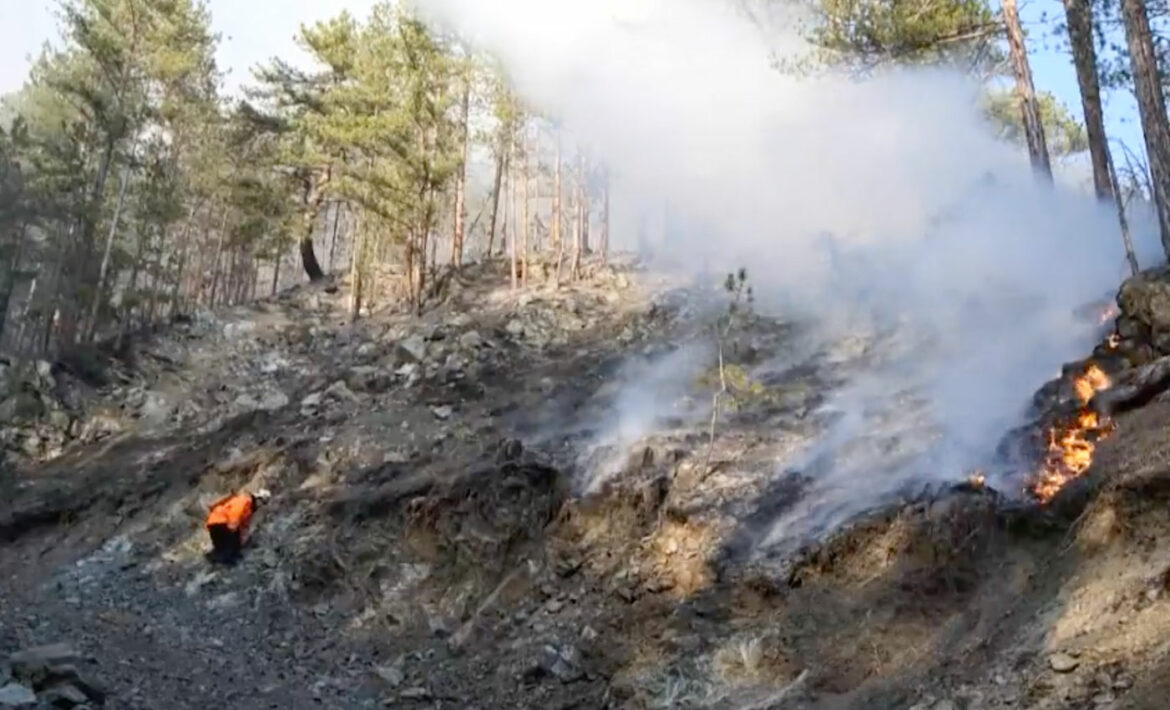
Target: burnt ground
{"x":466,"y":526}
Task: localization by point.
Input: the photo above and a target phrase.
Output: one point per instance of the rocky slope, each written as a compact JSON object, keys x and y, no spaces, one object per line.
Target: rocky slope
{"x":517,"y":501}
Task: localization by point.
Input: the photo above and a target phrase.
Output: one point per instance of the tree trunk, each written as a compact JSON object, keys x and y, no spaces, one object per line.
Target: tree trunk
{"x":1151,"y":108}
{"x":605,"y":220}
{"x":526,"y":246}
{"x":577,"y":207}
{"x":24,"y":317}
{"x":10,"y":278}
{"x":1079,"y":17}
{"x":501,"y":163}
{"x":276,"y":273}
{"x":1026,"y":91}
{"x":99,"y":290}
{"x":314,"y":194}
{"x":355,"y":275}
{"x":513,"y":227}
{"x":1122,"y":220}
{"x":557,"y":218}
{"x":333,"y":239}
{"x":185,"y":249}
{"x":461,"y":179}
{"x":215,"y":262}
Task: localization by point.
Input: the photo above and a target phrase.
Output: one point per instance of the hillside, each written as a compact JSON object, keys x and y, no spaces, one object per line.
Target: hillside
{"x":439,"y":535}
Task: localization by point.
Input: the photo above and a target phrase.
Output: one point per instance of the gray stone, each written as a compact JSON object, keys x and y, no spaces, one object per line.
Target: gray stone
{"x":15,"y":695}
{"x":411,"y":349}
{"x":392,"y":675}
{"x":339,"y":390}
{"x":415,"y":694}
{"x":442,"y":412}
{"x":272,"y":400}
{"x":64,"y":695}
{"x":37,"y":657}
{"x":470,"y":339}
{"x":563,"y":663}
{"x":1063,"y":663}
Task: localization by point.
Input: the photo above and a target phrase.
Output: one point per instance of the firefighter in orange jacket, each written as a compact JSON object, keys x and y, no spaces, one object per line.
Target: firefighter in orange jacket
{"x":228,"y":524}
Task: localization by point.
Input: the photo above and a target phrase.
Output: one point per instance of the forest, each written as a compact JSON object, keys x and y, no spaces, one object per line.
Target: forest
{"x":135,"y":189}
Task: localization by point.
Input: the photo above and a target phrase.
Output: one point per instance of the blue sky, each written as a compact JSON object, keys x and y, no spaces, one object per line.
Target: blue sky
{"x":254,"y":30}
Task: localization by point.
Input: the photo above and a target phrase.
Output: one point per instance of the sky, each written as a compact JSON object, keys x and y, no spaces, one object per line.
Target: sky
{"x":254,"y":30}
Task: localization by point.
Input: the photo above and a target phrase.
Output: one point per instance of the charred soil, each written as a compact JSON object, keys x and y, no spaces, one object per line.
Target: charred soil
{"x":451,"y":526}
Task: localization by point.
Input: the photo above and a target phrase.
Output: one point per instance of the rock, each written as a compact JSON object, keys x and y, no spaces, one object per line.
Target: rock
{"x":443,"y":412}
{"x":411,"y":349}
{"x":64,"y":695}
{"x":944,"y":705}
{"x":415,"y":694}
{"x":470,"y":340}
{"x":40,"y":658}
{"x":272,"y":400}
{"x":563,"y":663}
{"x":312,"y":400}
{"x":1063,"y":663}
{"x":392,"y":675}
{"x":339,"y":390}
{"x":22,"y":406}
{"x":233,"y":330}
{"x":15,"y":695}
{"x":515,"y":327}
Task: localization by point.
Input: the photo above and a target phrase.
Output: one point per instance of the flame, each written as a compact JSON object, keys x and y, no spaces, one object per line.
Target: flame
{"x":1071,"y":443}
{"x":1113,"y":341}
{"x":1092,"y":381}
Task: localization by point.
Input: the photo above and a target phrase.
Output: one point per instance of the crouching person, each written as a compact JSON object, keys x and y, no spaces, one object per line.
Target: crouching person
{"x":229,"y":524}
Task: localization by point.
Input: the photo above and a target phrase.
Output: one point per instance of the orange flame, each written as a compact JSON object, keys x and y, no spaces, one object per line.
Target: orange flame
{"x":1071,"y":444}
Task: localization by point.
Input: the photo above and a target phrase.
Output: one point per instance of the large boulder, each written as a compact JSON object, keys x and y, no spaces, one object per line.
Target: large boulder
{"x":1144,"y":301}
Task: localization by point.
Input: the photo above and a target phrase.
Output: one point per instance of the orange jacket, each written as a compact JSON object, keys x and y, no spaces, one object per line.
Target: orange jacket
{"x":234,"y":511}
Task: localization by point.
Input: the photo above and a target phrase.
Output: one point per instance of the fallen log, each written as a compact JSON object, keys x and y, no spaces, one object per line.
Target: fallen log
{"x":1139,"y":387}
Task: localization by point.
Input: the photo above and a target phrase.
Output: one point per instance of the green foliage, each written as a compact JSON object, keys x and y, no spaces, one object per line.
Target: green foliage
{"x":869,"y":32}
{"x":1064,"y":133}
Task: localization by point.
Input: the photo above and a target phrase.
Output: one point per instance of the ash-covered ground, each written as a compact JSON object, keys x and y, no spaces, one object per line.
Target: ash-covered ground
{"x":522,"y":500}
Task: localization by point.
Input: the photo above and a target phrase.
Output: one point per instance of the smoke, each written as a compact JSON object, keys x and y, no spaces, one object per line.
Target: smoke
{"x":879,"y":206}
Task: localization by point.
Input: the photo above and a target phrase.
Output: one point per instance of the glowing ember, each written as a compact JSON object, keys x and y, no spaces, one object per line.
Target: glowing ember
{"x":977,"y":480}
{"x":1113,"y":341}
{"x":1071,"y":444}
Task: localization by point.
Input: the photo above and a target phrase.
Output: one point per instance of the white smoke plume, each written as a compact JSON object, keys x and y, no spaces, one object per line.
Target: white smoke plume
{"x":877,"y":203}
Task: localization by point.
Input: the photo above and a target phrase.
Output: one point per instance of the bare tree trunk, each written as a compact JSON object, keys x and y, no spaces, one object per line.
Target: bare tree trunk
{"x":276,"y":272}
{"x":513,"y":228}
{"x":185,"y":248}
{"x":557,"y":217}
{"x":10,"y":279}
{"x":501,"y":163}
{"x":1079,"y":17}
{"x":1026,"y":91}
{"x":578,"y":213}
{"x":215,"y":262}
{"x":605,"y":220}
{"x":333,"y":239}
{"x":525,"y":177}
{"x":99,"y":292}
{"x":314,"y":193}
{"x":461,"y":179}
{"x":24,"y":316}
{"x":1151,"y":108}
{"x":1122,"y":220}
{"x":355,"y":273}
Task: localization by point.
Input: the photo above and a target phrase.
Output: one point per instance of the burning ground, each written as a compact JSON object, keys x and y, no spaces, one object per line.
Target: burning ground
{"x":488,"y":509}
